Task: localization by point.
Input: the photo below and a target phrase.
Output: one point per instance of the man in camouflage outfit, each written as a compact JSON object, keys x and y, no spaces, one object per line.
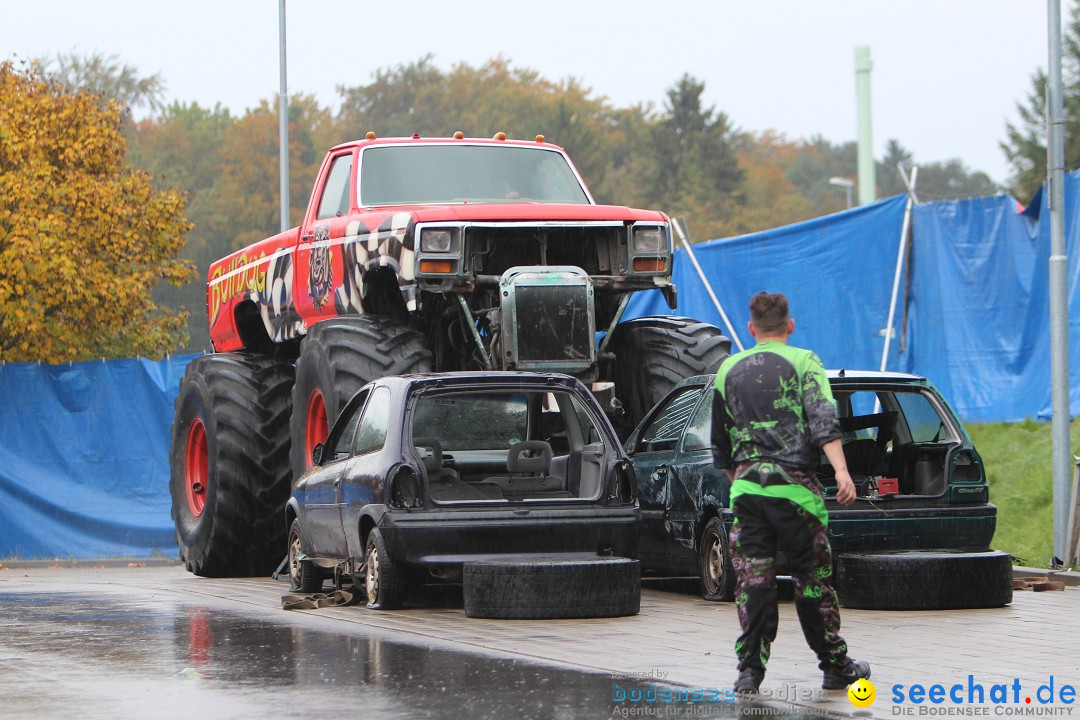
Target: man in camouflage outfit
{"x":773,"y":413}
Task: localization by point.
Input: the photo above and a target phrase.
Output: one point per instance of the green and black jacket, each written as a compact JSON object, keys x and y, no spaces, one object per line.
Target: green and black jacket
{"x":773,"y":407}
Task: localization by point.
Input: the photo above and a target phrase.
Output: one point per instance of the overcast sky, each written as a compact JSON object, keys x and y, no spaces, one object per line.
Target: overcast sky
{"x":947,"y":73}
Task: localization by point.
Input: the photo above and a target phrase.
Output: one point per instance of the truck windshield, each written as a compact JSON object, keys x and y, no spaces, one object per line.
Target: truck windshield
{"x":408,"y":174}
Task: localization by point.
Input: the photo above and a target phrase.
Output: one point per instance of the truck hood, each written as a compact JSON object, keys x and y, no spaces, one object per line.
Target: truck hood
{"x":526,"y":212}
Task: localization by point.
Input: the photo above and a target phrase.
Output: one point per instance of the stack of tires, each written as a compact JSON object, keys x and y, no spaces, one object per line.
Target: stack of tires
{"x":924,"y":580}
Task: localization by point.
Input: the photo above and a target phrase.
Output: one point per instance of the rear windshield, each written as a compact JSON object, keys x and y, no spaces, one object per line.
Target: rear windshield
{"x":496,"y":420}
{"x":408,"y":174}
{"x":908,"y":415}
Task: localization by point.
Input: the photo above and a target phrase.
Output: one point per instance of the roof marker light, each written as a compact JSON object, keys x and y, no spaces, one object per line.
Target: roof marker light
{"x":500,"y":136}
{"x":459,"y":135}
{"x":416,"y":136}
{"x":370,"y":135}
{"x":539,"y":138}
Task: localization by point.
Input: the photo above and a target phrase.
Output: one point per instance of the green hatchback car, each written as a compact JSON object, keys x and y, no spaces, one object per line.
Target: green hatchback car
{"x":918,"y":536}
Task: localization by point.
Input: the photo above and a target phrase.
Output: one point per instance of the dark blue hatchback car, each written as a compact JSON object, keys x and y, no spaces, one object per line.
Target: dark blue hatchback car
{"x":421,"y":474}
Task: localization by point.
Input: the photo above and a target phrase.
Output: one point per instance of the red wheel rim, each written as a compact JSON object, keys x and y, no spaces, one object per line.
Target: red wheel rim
{"x":316,"y":427}
{"x":196,"y":467}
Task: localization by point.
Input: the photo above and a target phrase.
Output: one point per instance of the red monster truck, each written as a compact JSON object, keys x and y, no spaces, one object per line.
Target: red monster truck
{"x":415,"y":255}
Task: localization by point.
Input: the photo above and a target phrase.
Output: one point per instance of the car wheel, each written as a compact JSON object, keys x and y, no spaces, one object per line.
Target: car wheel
{"x":383,"y":579}
{"x":305,"y":575}
{"x":716,"y":570}
{"x":229,"y":464}
{"x":545,"y":588}
{"x":652,"y":355}
{"x":337,"y":358}
{"x":931,"y":580}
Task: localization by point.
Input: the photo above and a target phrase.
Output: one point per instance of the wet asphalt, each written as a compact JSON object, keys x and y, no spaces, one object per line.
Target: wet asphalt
{"x":81,"y":654}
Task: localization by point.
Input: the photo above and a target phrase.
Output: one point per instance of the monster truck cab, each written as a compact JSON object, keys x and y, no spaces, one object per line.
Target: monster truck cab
{"x":393,"y":219}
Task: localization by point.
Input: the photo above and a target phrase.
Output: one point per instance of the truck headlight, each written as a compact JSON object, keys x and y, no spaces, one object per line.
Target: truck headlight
{"x":650,"y":240}
{"x":436,"y":240}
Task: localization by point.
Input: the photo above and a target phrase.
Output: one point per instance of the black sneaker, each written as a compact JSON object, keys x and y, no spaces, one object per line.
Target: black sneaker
{"x":749,"y":680}
{"x":838,"y":677}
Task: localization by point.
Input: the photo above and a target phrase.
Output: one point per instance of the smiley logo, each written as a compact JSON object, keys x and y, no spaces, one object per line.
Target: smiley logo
{"x":862,"y":693}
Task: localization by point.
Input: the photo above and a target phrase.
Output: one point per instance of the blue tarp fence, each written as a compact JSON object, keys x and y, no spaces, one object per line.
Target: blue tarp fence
{"x":973,"y":313}
{"x":84,"y":448}
{"x":84,"y":458}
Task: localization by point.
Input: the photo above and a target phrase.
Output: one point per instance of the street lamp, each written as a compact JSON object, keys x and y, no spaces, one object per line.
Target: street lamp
{"x":843,"y":182}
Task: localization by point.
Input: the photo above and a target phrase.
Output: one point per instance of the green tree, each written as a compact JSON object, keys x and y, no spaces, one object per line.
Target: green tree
{"x":950,"y":179}
{"x":696,"y":166}
{"x":84,"y":238}
{"x":1025,"y":143}
{"x":108,"y":78}
{"x":814,"y":162}
{"x":246,"y":191}
{"x":888,"y":173}
{"x":942,"y":180}
{"x":420,"y":98}
{"x":181,"y":149}
{"x":771,"y":199}
{"x":626,"y":179}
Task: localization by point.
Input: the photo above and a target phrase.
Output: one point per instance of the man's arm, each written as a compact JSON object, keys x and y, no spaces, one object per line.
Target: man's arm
{"x":845,"y":489}
{"x":818,"y":403}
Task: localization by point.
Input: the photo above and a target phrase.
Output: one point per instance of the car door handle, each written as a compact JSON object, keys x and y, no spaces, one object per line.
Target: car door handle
{"x":662,"y":471}
{"x":337,"y":482}
{"x":305,"y":238}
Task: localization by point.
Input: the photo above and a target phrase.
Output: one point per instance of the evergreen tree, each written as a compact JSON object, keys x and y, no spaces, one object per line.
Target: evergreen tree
{"x":1025,"y":143}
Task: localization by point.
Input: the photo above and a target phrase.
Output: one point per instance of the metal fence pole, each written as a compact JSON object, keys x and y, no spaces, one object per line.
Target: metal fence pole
{"x":904,"y":231}
{"x":1059,"y":300}
{"x":705,"y":281}
{"x":283,"y":122}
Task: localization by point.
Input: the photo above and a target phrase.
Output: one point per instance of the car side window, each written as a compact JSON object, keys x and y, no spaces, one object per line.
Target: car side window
{"x":664,"y":429}
{"x":341,"y":437}
{"x":699,"y":432}
{"x":922,"y":419}
{"x":335,"y":197}
{"x":371,"y":434}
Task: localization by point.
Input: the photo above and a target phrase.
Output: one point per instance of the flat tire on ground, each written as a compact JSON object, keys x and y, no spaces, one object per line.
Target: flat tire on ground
{"x":545,"y":588}
{"x":384,"y":579}
{"x":924,"y":580}
{"x":229,"y":463}
{"x":338,"y":357}
{"x":653,"y":354}
{"x":714,"y":563}
{"x":305,"y":576}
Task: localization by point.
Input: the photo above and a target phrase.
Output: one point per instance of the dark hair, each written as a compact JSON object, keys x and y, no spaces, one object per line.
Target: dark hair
{"x":769,"y":311}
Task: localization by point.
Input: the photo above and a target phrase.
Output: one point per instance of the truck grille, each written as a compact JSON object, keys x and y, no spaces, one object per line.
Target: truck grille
{"x":494,"y":250}
{"x":553,"y":324}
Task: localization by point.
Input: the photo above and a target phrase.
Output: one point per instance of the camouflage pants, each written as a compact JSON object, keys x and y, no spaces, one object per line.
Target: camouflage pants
{"x":762,"y":525}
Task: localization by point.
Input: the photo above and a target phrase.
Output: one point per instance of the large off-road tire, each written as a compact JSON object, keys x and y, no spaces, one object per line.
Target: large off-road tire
{"x":546,"y":587}
{"x":653,"y":354}
{"x":304,"y":575}
{"x":337,"y":358}
{"x":230,"y":464}
{"x":714,"y":562}
{"x":928,"y":580}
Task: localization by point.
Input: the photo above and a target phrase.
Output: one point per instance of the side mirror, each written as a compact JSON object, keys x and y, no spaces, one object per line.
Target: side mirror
{"x":316,"y":454}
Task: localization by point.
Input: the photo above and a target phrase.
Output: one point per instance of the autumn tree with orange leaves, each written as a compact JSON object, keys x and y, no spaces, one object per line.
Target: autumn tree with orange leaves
{"x":84,"y":238}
